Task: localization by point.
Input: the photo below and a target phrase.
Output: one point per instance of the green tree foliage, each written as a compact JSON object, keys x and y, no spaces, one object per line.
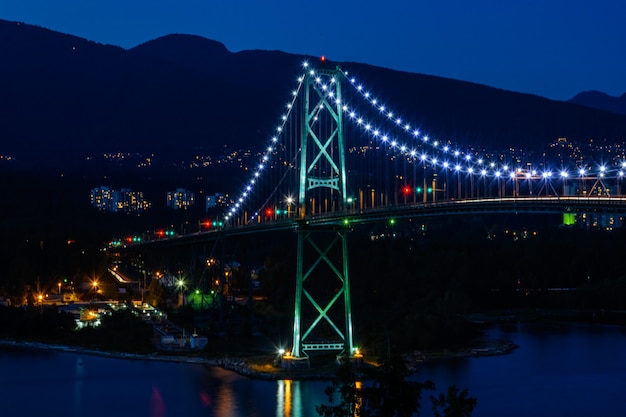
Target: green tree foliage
{"x":156,"y":294}
{"x":122,"y":329}
{"x":278,"y":284}
{"x":37,"y":322}
{"x":387,"y":393}
{"x":344,"y":386}
{"x":454,"y":404}
{"x":390,"y":394}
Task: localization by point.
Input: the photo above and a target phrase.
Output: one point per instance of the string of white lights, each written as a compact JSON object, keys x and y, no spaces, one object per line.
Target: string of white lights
{"x":274,"y":142}
{"x":462,"y":162}
{"x":453,"y":159}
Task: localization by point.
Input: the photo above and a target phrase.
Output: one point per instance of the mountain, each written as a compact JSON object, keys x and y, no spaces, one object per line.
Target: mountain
{"x":602,"y":101}
{"x":66,"y":99}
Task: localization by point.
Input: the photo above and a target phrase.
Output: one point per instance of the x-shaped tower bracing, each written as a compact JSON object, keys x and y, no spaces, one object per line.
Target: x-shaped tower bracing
{"x":322,"y":165}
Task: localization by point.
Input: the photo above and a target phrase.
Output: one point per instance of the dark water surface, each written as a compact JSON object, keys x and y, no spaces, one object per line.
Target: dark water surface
{"x":40,"y":383}
{"x":559,"y":370}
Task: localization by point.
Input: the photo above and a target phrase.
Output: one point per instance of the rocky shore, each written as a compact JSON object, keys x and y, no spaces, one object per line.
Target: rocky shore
{"x":118,"y":355}
{"x":264,"y":367}
{"x":491,"y":347}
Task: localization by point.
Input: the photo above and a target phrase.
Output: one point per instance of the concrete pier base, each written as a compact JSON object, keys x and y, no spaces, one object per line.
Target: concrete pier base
{"x":292,"y":362}
{"x":356,"y":361}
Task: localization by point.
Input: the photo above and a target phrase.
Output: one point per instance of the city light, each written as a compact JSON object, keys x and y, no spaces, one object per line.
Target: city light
{"x":468,"y":163}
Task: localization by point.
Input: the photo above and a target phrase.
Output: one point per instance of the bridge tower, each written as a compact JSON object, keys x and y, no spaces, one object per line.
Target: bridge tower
{"x":322,"y":313}
{"x":322,"y":154}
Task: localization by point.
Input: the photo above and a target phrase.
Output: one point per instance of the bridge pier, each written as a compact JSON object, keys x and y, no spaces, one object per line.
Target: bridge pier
{"x":292,"y":363}
{"x":322,"y":286}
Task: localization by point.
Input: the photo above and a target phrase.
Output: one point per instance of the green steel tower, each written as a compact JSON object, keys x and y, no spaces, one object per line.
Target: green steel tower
{"x":322,"y":278}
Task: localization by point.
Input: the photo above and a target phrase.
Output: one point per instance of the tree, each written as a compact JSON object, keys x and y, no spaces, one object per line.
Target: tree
{"x":122,"y":329}
{"x":344,"y":384}
{"x":454,"y":404}
{"x":156,"y":293}
{"x":388,"y":394}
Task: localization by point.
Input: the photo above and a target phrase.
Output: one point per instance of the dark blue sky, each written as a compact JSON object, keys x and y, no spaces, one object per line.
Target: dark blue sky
{"x":552,"y":48}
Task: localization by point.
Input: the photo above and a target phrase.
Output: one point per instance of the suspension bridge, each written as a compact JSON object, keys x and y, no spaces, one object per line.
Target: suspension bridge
{"x":340,"y":156}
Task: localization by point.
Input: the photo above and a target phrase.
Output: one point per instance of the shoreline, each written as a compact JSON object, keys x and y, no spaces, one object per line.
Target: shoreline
{"x":263,"y":366}
{"x":104,"y":353}
{"x":267,"y":371}
{"x":488,"y":347}
{"x":237,"y":365}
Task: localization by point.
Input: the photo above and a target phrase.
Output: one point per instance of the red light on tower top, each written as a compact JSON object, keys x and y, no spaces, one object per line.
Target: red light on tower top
{"x":323,"y":58}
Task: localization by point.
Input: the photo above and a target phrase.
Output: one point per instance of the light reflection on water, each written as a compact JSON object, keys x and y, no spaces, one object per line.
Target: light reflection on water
{"x":558,"y":370}
{"x":76,"y":385}
{"x":289,"y":398}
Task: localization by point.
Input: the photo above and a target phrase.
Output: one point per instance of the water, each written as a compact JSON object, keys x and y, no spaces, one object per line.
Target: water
{"x":34,"y":383}
{"x":570,"y":370}
{"x":558,"y":370}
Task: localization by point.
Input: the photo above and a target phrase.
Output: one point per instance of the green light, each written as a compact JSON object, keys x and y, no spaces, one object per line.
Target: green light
{"x":392,"y":221}
{"x":346,"y":221}
{"x":197,"y":292}
{"x":430,"y":190}
{"x":569,"y":219}
{"x":418,"y":190}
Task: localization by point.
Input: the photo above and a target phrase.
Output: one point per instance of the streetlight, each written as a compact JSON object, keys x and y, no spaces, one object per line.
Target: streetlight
{"x":582,"y":173}
{"x":143,"y":287}
{"x":564,"y":177}
{"x":95,"y":288}
{"x":40,"y":300}
{"x":181,"y":286}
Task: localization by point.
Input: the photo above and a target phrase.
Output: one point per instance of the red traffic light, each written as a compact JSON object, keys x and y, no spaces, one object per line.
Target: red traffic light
{"x":406,"y":190}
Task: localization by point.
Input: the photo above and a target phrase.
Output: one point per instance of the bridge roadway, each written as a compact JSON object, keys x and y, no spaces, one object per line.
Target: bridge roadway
{"x":522,"y":204}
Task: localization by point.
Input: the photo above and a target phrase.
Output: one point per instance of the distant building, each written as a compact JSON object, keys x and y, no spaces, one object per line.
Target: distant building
{"x":216,"y":200}
{"x":180,"y":199}
{"x":124,"y":200}
{"x":129,"y":201}
{"x":102,"y":198}
{"x":600,"y":221}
